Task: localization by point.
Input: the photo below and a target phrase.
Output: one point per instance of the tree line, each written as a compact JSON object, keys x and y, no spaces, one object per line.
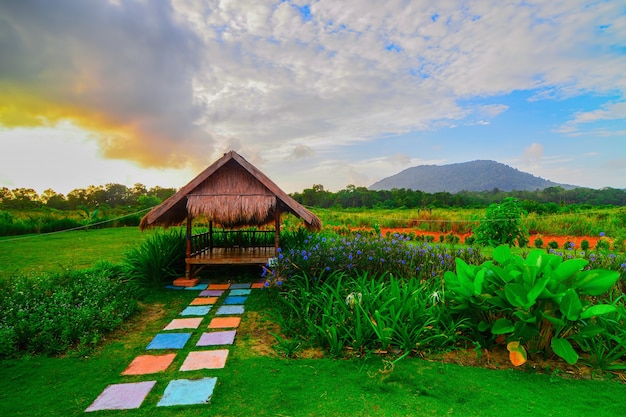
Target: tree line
{"x":548,"y":200}
{"x":92,"y":197}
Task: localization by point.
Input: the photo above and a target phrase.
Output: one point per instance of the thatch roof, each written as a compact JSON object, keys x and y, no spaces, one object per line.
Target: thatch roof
{"x":232,"y":193}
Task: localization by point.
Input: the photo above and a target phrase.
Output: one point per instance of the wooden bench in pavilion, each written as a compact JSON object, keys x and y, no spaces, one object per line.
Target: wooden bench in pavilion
{"x":236,"y":196}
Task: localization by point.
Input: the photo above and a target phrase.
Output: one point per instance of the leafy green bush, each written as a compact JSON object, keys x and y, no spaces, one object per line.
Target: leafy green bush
{"x":539,"y":243}
{"x":542,"y":304}
{"x":70,"y":310}
{"x":502,"y":225}
{"x":157,"y":259}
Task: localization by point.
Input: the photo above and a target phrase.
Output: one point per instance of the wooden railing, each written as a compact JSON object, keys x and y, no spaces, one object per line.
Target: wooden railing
{"x":231,"y":239}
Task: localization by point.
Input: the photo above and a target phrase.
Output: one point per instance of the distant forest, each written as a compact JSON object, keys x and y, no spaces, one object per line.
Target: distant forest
{"x":548,"y":200}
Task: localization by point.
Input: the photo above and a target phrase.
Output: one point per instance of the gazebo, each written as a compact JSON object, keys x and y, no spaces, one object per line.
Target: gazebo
{"x":233,"y":196}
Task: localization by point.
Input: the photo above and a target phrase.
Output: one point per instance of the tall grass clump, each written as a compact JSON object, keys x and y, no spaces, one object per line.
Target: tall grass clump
{"x":72,"y":310}
{"x":157,"y":259}
{"x":349,"y":315}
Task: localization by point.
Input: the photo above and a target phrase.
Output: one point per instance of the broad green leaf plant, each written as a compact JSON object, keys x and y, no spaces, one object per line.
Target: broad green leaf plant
{"x":540,"y":304}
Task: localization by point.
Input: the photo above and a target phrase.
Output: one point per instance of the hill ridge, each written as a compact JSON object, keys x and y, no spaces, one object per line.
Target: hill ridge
{"x":477,"y":175}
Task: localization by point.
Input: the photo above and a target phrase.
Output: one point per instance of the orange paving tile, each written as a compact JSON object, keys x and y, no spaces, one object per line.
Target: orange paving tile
{"x":200,"y":301}
{"x":258,"y":285}
{"x":208,"y":359}
{"x":219,"y":286}
{"x":224,"y":322}
{"x":149,"y":364}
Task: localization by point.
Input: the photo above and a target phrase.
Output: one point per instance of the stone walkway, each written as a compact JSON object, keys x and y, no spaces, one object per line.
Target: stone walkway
{"x":210,"y":352}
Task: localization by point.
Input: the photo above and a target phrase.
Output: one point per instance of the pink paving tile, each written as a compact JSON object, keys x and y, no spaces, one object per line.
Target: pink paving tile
{"x":258,"y":285}
{"x":218,"y":286}
{"x":149,"y":364}
{"x":201,"y":301}
{"x":224,"y":322}
{"x":186,"y":323}
{"x":208,"y":359}
{"x":122,"y":396}
{"x":217,"y":338}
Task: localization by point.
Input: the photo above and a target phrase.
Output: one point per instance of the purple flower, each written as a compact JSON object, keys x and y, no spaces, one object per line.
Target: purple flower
{"x":601,"y":234}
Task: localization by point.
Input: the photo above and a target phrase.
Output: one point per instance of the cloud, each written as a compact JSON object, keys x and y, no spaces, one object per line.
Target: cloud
{"x":176,"y":83}
{"x":533,"y":155}
{"x":122,"y":70}
{"x":608,"y":112}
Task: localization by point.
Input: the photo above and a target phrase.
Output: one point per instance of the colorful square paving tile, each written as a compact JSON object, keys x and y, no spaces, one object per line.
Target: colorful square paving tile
{"x":202,"y":301}
{"x":173,"y":287}
{"x":258,"y":285}
{"x":211,"y":293}
{"x":199,"y":287}
{"x":169,"y":341}
{"x":122,"y":396}
{"x":190,"y":323}
{"x":239,"y":292}
{"x":149,"y":364}
{"x":207,"y":359}
{"x":227,"y":310}
{"x":240,"y":286}
{"x":219,"y":286}
{"x":188,"y":391}
{"x":224,"y":322}
{"x":196,"y":310}
{"x":236,"y":299}
{"x":217,"y":338}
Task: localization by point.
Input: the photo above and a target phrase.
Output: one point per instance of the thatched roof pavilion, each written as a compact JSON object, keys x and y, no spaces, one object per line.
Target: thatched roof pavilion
{"x":230,"y":193}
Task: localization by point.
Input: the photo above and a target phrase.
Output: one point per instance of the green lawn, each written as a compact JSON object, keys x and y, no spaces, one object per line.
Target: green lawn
{"x":74,"y":249}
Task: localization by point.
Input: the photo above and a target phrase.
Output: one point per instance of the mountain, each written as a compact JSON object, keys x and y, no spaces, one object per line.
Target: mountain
{"x":478,"y":175}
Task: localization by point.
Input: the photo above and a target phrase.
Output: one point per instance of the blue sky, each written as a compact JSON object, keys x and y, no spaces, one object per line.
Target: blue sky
{"x":311,"y":92}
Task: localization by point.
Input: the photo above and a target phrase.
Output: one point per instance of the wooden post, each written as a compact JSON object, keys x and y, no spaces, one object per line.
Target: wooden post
{"x":277,"y":229}
{"x":188,"y":250}
{"x":210,"y":236}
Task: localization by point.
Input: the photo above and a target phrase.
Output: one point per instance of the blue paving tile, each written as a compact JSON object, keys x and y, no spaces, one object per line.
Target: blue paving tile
{"x":188,"y":391}
{"x":240,"y":286}
{"x":225,"y":310}
{"x":235,"y":300}
{"x":198,"y":287}
{"x":169,"y":341}
{"x":239,"y":292}
{"x":196,"y":310}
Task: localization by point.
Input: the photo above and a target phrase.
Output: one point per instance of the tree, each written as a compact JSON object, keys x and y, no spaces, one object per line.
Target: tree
{"x":502,"y":225}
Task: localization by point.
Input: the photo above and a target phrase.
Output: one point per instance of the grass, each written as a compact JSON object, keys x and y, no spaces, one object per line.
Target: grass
{"x":269,"y":385}
{"x":261,"y":385}
{"x":75,"y":249}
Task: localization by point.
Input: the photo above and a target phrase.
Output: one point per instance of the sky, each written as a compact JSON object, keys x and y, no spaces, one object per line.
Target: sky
{"x":311,"y":92}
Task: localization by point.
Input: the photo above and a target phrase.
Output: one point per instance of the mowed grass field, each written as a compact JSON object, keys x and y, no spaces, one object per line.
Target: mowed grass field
{"x":76,"y":249}
{"x":258,"y":382}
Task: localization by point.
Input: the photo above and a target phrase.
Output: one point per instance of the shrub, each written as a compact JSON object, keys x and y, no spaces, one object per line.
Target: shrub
{"x":542,"y":304}
{"x":539,"y":243}
{"x":56,"y":313}
{"x":584,"y":245}
{"x":502,"y":225}
{"x":156,"y":259}
{"x":553,"y":244}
